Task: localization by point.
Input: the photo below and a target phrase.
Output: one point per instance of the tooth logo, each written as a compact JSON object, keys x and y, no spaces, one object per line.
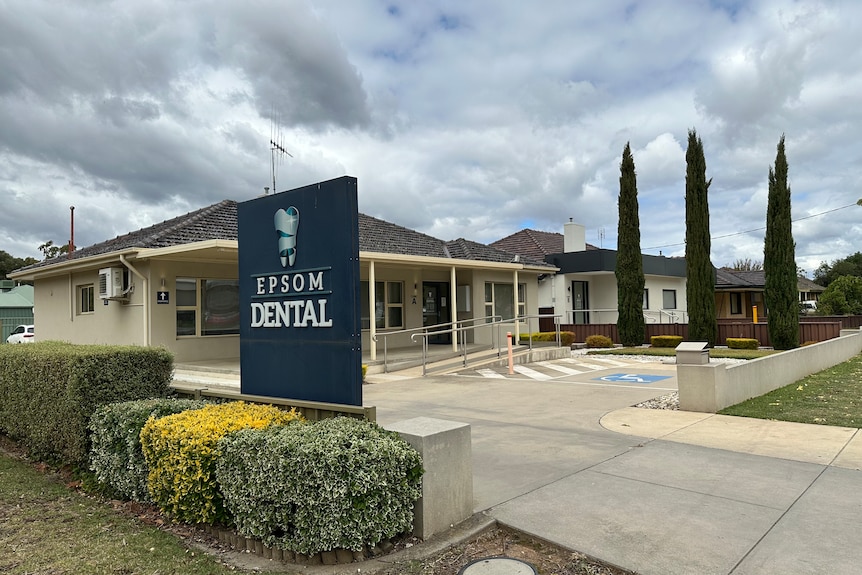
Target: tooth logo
{"x":286,"y":222}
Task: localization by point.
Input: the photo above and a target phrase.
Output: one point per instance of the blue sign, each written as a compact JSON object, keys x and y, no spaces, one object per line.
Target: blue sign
{"x":299,"y":331}
{"x":632,"y":378}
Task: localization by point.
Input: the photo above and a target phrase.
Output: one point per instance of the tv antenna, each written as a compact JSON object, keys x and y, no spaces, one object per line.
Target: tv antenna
{"x":276,"y":148}
{"x":601,"y":237}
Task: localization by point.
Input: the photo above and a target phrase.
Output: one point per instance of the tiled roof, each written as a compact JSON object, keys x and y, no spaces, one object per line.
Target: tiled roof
{"x":534,"y":244}
{"x":732,"y":278}
{"x":219,"y":222}
{"x":215,"y":222}
{"x":468,"y":250}
{"x":381,"y":236}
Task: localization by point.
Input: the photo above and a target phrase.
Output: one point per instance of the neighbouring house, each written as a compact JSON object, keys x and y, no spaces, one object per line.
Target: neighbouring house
{"x":584,"y":290}
{"x":175,"y":285}
{"x":16,"y":307}
{"x":737,"y":293}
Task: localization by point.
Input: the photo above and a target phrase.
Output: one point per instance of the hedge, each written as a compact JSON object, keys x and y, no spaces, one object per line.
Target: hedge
{"x":49,"y":390}
{"x":566,"y":337}
{"x":116,"y":456}
{"x":181,"y":451}
{"x":598,"y":341}
{"x":742,"y":343}
{"x":665,"y":340}
{"x":340,"y":483}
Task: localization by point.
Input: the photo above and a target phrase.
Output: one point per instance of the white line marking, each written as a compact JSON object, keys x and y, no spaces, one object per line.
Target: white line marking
{"x":531,"y":373}
{"x":485,"y":372}
{"x":560,"y":368}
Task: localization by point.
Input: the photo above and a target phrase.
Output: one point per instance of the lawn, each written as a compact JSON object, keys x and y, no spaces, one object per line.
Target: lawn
{"x":46,"y":527}
{"x":830,"y":397}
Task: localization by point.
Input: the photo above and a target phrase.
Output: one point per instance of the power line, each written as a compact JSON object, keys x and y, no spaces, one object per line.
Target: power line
{"x":757,"y":229}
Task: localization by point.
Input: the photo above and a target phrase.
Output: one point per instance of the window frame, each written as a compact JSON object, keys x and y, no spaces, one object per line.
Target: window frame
{"x":491,"y":304}
{"x":736,"y":307}
{"x":385,"y":306}
{"x":664,"y":295}
{"x":197,"y":309}
{"x":85,"y":305}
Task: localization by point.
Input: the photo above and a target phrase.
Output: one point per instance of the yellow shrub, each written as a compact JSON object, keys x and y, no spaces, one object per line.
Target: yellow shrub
{"x":742,"y":343}
{"x":665,"y":340}
{"x":181,"y":451}
{"x":595,"y":341}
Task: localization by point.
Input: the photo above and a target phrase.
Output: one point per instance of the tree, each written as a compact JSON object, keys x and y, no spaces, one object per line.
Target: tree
{"x":700,"y":275}
{"x":849,"y":266}
{"x":629,"y":271}
{"x":842,"y":297}
{"x":779,"y":260}
{"x":746,"y":265}
{"x":9,"y":263}
{"x":52,"y":251}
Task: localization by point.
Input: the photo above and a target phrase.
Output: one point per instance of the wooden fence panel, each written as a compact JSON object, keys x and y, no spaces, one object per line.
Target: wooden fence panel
{"x":809,"y":331}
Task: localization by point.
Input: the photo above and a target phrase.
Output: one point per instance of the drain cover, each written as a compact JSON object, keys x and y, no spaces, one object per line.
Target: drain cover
{"x":497,"y":566}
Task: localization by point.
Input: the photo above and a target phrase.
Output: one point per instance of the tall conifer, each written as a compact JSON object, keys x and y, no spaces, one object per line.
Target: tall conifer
{"x":700,"y":275}
{"x":629,"y":270}
{"x":779,"y":260}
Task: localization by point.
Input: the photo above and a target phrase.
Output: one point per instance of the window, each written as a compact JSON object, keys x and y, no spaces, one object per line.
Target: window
{"x":500,"y":300}
{"x":216,"y":310}
{"x":388,"y":305}
{"x":646,"y":299}
{"x":86,"y":299}
{"x":735,"y":303}
{"x":668,"y":299}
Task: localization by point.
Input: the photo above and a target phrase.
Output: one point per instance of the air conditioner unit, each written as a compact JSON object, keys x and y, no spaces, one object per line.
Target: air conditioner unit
{"x":111,"y":283}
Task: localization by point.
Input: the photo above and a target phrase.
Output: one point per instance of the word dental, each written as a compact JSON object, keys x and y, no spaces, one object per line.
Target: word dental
{"x":294,"y":312}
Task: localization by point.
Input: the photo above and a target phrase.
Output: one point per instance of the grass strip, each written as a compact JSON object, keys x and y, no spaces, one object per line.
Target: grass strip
{"x":830,"y":397}
{"x":47,"y":528}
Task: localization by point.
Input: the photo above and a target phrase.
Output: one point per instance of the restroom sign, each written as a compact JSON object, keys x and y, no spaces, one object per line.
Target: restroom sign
{"x":300,"y":332}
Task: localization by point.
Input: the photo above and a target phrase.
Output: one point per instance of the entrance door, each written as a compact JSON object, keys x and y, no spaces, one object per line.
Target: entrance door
{"x":435,"y":308}
{"x":580,"y":301}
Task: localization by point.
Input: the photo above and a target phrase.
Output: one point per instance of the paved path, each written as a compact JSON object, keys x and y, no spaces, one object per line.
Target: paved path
{"x":563,"y":456}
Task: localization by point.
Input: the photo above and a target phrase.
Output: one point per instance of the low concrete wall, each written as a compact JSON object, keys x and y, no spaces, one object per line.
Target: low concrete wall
{"x":712,"y":387}
{"x":447,"y":486}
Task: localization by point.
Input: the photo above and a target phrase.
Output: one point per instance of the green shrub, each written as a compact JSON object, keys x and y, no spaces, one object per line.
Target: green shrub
{"x":594,"y":341}
{"x":339,"y":483}
{"x":665,"y":340}
{"x":116,"y":456}
{"x":566,"y":337}
{"x":742,"y":343}
{"x":181,"y":452}
{"x":49,"y":390}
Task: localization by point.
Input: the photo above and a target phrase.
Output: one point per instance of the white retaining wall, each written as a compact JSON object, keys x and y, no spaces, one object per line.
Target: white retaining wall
{"x":712,"y":387}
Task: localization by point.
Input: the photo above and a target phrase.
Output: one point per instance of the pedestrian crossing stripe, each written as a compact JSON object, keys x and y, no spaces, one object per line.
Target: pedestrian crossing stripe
{"x":561,"y":368}
{"x":485,"y":372}
{"x":531,"y":373}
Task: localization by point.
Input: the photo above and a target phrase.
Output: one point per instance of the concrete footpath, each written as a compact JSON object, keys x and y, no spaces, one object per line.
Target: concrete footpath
{"x":652,"y":491}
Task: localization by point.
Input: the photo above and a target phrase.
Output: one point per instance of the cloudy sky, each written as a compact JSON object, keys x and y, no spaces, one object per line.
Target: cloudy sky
{"x":460,"y":118}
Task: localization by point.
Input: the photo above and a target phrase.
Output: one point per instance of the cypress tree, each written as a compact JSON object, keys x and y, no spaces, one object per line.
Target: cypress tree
{"x":629,"y":270}
{"x":779,"y":260}
{"x":700,"y":275}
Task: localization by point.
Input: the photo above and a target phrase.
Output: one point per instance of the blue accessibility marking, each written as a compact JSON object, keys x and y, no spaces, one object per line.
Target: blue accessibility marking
{"x":632,"y":378}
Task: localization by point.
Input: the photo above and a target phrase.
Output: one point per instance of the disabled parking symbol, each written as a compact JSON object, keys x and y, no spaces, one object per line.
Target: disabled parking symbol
{"x":632,"y":378}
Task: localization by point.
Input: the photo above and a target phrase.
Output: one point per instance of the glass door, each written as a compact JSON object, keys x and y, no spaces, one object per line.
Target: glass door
{"x":580,"y":301}
{"x":435,"y":309}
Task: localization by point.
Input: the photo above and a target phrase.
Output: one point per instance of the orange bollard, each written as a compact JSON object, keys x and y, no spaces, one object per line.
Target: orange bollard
{"x":754,"y":313}
{"x":511,"y":361}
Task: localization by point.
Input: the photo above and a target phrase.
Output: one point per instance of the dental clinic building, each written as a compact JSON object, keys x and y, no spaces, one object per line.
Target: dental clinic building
{"x":176,"y":285}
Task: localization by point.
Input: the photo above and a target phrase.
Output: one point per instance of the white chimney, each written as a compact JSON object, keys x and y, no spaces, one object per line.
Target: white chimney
{"x":574,"y":237}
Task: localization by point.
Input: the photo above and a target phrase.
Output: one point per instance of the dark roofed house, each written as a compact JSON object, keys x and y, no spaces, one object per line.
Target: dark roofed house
{"x":737,"y":293}
{"x":164,"y":278}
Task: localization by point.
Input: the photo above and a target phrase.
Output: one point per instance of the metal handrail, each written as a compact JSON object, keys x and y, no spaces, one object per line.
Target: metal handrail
{"x":461,"y":332}
{"x":425,"y":330}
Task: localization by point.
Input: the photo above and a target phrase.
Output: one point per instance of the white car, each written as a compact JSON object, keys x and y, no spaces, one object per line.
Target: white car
{"x":22,"y":334}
